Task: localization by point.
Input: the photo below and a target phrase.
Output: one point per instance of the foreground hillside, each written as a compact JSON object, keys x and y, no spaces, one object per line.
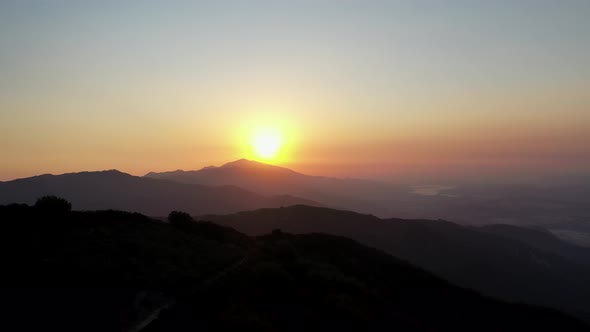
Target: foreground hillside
{"x":511,"y":263}
{"x":117,"y":271}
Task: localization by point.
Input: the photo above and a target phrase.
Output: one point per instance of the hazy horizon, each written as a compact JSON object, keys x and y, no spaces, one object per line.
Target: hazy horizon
{"x":420,"y":178}
{"x":378,"y":89}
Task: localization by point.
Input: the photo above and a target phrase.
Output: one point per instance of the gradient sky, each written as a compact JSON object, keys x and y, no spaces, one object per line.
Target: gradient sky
{"x":360,"y":88}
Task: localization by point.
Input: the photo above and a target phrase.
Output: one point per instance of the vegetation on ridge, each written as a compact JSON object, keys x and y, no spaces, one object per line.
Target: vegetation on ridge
{"x":119,"y":271}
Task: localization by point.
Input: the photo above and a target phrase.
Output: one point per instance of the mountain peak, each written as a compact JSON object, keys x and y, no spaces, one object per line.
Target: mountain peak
{"x":112,"y":171}
{"x":108,"y":172}
{"x":241,"y":172}
{"x":256,"y":166}
{"x":245,"y":163}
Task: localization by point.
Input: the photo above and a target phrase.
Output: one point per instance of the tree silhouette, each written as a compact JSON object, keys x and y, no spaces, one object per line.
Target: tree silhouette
{"x":179,"y":218}
{"x":53,"y":204}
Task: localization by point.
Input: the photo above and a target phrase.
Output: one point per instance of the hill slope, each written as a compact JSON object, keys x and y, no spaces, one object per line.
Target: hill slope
{"x":543,"y":240}
{"x":116,"y":190}
{"x":467,"y":256}
{"x":115,"y":271}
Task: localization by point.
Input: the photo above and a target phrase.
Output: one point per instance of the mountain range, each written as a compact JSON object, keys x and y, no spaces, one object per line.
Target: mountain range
{"x":117,"y":190}
{"x":513,"y":263}
{"x":508,"y":262}
{"x":561,"y":205}
{"x":354,"y":194}
{"x":562,"y":208}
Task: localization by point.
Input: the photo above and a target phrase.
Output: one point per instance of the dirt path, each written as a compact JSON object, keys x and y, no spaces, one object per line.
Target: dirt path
{"x":153,"y":316}
{"x":220,"y":275}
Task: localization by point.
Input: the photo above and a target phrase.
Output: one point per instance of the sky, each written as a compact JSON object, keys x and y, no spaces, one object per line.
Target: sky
{"x":381,"y":89}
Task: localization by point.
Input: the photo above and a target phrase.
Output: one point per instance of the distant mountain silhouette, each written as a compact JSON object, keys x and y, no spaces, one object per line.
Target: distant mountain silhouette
{"x":354,"y":194}
{"x":510,"y":267}
{"x":541,"y":239}
{"x":550,"y":206}
{"x":117,"y":271}
{"x":117,"y":190}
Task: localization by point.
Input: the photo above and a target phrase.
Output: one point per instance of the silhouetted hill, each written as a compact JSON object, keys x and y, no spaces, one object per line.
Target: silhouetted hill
{"x":113,"y":189}
{"x":117,"y":271}
{"x":563,"y":206}
{"x":541,"y":239}
{"x":355,"y":194}
{"x":236,"y":168}
{"x":475,"y":258}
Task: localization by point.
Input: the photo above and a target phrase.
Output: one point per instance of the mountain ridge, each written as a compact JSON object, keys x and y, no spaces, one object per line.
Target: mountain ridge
{"x":551,"y":207}
{"x":243,"y":163}
{"x":467,"y":256}
{"x":348,"y":193}
{"x":97,"y":190}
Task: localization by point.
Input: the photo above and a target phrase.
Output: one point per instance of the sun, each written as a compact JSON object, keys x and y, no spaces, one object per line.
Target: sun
{"x":267,"y":143}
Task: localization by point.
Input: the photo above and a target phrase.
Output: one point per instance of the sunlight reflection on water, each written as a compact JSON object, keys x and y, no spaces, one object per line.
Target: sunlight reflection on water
{"x":430,"y":190}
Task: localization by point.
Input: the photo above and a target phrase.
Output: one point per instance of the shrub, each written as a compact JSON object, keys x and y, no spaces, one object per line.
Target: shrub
{"x":179,"y":218}
{"x":53,"y":204}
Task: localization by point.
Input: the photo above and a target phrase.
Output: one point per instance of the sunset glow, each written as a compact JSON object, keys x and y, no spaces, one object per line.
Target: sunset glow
{"x":267,"y":143}
{"x":383,"y":89}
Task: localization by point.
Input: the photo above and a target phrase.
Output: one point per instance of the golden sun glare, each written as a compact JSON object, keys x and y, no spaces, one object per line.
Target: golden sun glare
{"x":267,"y":143}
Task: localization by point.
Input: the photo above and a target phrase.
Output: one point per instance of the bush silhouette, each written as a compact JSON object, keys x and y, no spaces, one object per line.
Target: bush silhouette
{"x":179,"y":218}
{"x":53,"y":204}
